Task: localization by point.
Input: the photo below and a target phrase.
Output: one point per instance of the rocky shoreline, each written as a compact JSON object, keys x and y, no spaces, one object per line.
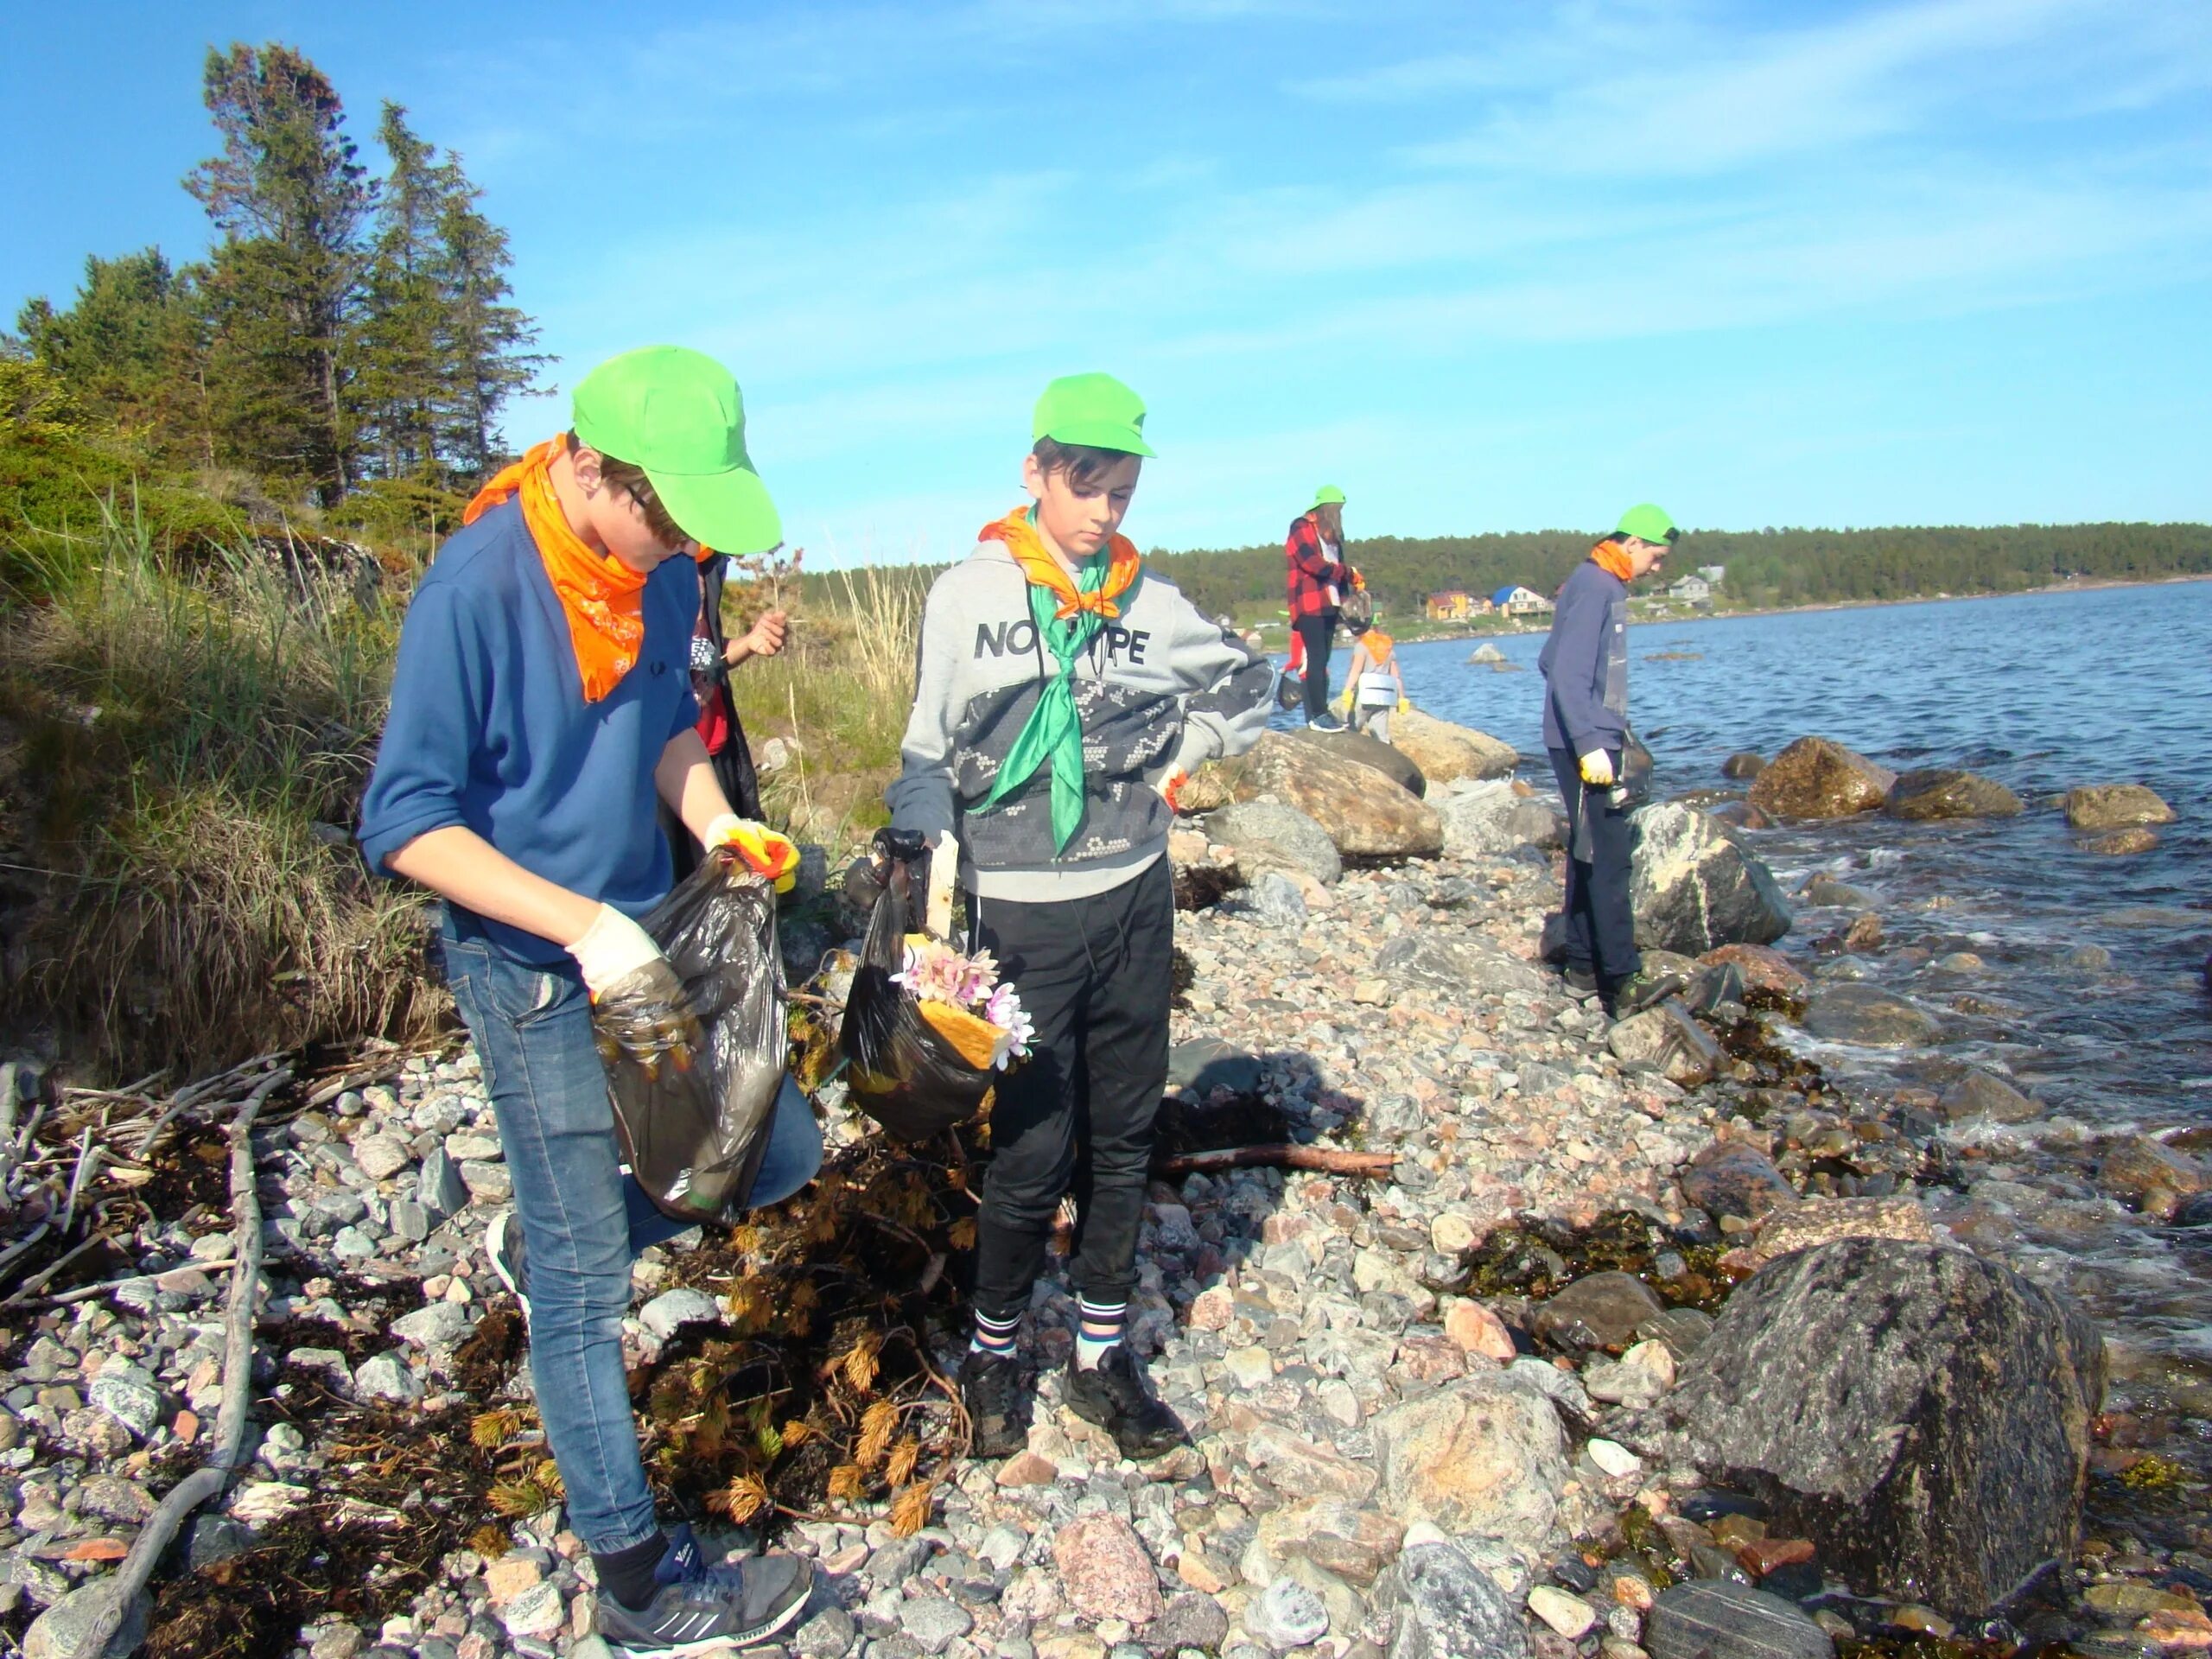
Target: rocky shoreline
{"x":1652,"y":1339}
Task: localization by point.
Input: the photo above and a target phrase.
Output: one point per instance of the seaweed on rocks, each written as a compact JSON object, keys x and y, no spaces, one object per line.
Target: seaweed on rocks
{"x":1535,"y":1258}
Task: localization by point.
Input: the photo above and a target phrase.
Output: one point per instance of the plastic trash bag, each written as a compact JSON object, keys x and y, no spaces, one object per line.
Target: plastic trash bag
{"x":904,"y":1073}
{"x":695,"y":1046}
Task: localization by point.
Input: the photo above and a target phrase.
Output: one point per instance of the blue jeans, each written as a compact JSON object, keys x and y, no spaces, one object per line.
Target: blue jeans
{"x":583,"y":1219}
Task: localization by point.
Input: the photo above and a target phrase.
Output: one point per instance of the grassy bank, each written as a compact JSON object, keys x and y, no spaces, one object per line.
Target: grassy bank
{"x":183,"y":744}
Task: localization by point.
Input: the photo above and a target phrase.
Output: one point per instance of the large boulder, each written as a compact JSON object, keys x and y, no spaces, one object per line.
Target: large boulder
{"x":1445,"y":752}
{"x":1946,"y":792}
{"x":1695,"y":887}
{"x":2114,"y":806}
{"x":1393,"y":763}
{"x":1266,"y":834}
{"x":1483,"y":1455}
{"x":1920,"y":1414}
{"x":1488,"y":820}
{"x":1815,"y":778}
{"x":1365,"y":813}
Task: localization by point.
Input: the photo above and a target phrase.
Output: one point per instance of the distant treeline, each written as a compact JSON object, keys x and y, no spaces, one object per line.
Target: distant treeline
{"x":1764,"y":567}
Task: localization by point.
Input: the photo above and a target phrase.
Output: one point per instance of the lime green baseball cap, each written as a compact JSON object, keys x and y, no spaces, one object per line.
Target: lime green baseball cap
{"x":679,"y":414}
{"x":1647,"y":522}
{"x":1096,"y":411}
{"x":1327,"y":495}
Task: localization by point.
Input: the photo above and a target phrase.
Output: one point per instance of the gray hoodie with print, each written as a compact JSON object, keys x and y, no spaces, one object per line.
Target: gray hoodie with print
{"x":1161,"y":688}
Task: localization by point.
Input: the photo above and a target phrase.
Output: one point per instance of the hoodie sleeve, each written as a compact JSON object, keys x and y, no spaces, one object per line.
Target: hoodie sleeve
{"x":1227,"y":689}
{"x":1570,"y":663}
{"x":921,"y":796}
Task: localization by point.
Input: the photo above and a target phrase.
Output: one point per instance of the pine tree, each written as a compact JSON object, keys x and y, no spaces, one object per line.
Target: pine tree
{"x":487,"y":340}
{"x":290,"y":199}
{"x":401,"y":366}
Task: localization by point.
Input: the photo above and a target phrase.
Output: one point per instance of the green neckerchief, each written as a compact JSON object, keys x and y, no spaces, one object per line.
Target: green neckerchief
{"x":1054,"y":729}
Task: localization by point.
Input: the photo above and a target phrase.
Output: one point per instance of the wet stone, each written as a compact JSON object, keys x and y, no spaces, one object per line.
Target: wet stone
{"x":1715,"y":1619}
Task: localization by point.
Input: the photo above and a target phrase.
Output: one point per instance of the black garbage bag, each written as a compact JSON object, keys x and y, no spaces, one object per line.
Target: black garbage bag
{"x":695,"y":1046}
{"x":903,"y":1073}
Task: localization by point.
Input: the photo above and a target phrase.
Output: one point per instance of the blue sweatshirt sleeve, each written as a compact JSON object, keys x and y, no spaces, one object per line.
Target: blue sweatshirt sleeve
{"x":1576,"y":647}
{"x":438,"y":690}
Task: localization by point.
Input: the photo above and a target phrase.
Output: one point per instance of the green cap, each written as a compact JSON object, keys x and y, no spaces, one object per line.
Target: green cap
{"x":1327,"y":495}
{"x":1094,"y":410}
{"x":1647,"y":522}
{"x":678,"y":414}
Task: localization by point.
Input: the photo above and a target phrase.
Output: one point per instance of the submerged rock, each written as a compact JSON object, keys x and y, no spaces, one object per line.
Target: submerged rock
{"x":1859,"y":1013}
{"x":1946,"y":792}
{"x":1713,"y":1618}
{"x":1445,"y":752}
{"x":2114,"y":806}
{"x":1977,"y":1093}
{"x":1743,"y":765}
{"x":1816,"y":779}
{"x":1694,"y":887}
{"x":1921,"y":1415}
{"x":1601,"y":1310}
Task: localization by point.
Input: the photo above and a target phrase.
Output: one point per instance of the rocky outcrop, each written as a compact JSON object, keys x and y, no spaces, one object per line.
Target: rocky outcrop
{"x":1488,"y":820}
{"x":1815,"y":778}
{"x":1393,"y":763}
{"x":1445,"y":752}
{"x":1946,"y":792}
{"x":1266,"y":834}
{"x":1920,"y":1414}
{"x":1695,"y":887}
{"x":1365,"y":812}
{"x":2114,"y":806}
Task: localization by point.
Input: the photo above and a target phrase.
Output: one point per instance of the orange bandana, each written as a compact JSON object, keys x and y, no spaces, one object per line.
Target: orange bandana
{"x":599,"y":594}
{"x":1610,"y":558}
{"x":1045,"y":571}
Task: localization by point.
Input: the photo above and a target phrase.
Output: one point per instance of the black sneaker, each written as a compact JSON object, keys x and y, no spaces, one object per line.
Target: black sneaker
{"x":1581,"y":983}
{"x":997,"y":1396}
{"x":503,"y":1244}
{"x":700,"y":1607}
{"x":1113,"y":1395}
{"x":1326,"y":723}
{"x":1641,"y":990}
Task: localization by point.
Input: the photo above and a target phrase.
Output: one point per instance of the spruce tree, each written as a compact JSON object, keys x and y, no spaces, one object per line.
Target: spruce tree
{"x":487,"y":339}
{"x":289,"y":198}
{"x":401,"y":366}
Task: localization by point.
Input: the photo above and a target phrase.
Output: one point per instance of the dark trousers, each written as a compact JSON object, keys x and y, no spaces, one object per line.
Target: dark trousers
{"x":1319,"y":632}
{"x":1077,"y":1115}
{"x":1600,"y":922}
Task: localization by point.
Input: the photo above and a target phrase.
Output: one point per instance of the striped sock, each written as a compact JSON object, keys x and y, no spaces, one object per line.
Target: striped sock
{"x":1100,"y":1330}
{"x":995,"y":1337}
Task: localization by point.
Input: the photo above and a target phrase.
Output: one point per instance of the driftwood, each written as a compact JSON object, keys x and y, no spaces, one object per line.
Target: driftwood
{"x":1282,"y":1155}
{"x":212,"y":1477}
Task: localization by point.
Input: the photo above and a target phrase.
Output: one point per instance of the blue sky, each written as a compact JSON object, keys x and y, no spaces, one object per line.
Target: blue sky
{"x":1486,"y":266}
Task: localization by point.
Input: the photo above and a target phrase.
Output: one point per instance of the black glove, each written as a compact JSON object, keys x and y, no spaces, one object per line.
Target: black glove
{"x":866,"y":876}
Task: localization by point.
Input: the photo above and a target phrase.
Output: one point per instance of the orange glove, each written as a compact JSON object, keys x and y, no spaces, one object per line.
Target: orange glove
{"x":1171,"y":789}
{"x":768,"y":855}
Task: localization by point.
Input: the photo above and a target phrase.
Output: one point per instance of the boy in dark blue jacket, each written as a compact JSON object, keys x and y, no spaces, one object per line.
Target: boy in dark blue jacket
{"x":540,"y":703}
{"x":1584,"y":665}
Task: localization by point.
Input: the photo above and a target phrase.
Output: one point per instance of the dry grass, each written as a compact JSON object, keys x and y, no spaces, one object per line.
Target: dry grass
{"x":843,"y":687}
{"x":177,"y":755}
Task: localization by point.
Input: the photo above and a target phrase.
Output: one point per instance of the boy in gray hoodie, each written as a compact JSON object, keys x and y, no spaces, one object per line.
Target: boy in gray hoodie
{"x":1062,"y":693}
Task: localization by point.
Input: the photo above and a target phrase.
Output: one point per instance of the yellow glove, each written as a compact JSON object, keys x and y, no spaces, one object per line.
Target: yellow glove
{"x":772,"y":856}
{"x":1598,"y":769}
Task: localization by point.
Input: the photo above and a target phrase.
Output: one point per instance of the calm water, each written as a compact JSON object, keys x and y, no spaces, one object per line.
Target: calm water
{"x":2042,"y":692}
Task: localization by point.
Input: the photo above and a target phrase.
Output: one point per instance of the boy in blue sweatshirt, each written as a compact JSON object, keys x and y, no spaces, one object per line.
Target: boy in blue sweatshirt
{"x":540,"y":703}
{"x":1584,"y":665}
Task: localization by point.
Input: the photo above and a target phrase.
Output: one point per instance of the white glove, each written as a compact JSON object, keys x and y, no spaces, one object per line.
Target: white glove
{"x":613,"y":948}
{"x":1598,"y":769}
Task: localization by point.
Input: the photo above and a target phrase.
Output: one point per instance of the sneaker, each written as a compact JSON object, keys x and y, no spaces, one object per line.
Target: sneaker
{"x":503,"y":1244}
{"x":1641,"y":990}
{"x":1113,"y":1395}
{"x":1326,"y":723}
{"x":698,"y":1607}
{"x":997,"y":1397}
{"x":1581,"y":983}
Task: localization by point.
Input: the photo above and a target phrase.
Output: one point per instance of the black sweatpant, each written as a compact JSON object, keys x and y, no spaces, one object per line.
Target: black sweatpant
{"x":1077,"y":1115}
{"x":1319,"y":632}
{"x":1600,"y":922}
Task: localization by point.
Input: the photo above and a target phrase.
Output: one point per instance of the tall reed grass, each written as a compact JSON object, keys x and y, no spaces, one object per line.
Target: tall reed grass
{"x":182,"y":754}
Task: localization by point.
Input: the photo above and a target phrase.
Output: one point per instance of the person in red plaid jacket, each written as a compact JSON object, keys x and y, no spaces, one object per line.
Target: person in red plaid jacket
{"x":1318,"y":578}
